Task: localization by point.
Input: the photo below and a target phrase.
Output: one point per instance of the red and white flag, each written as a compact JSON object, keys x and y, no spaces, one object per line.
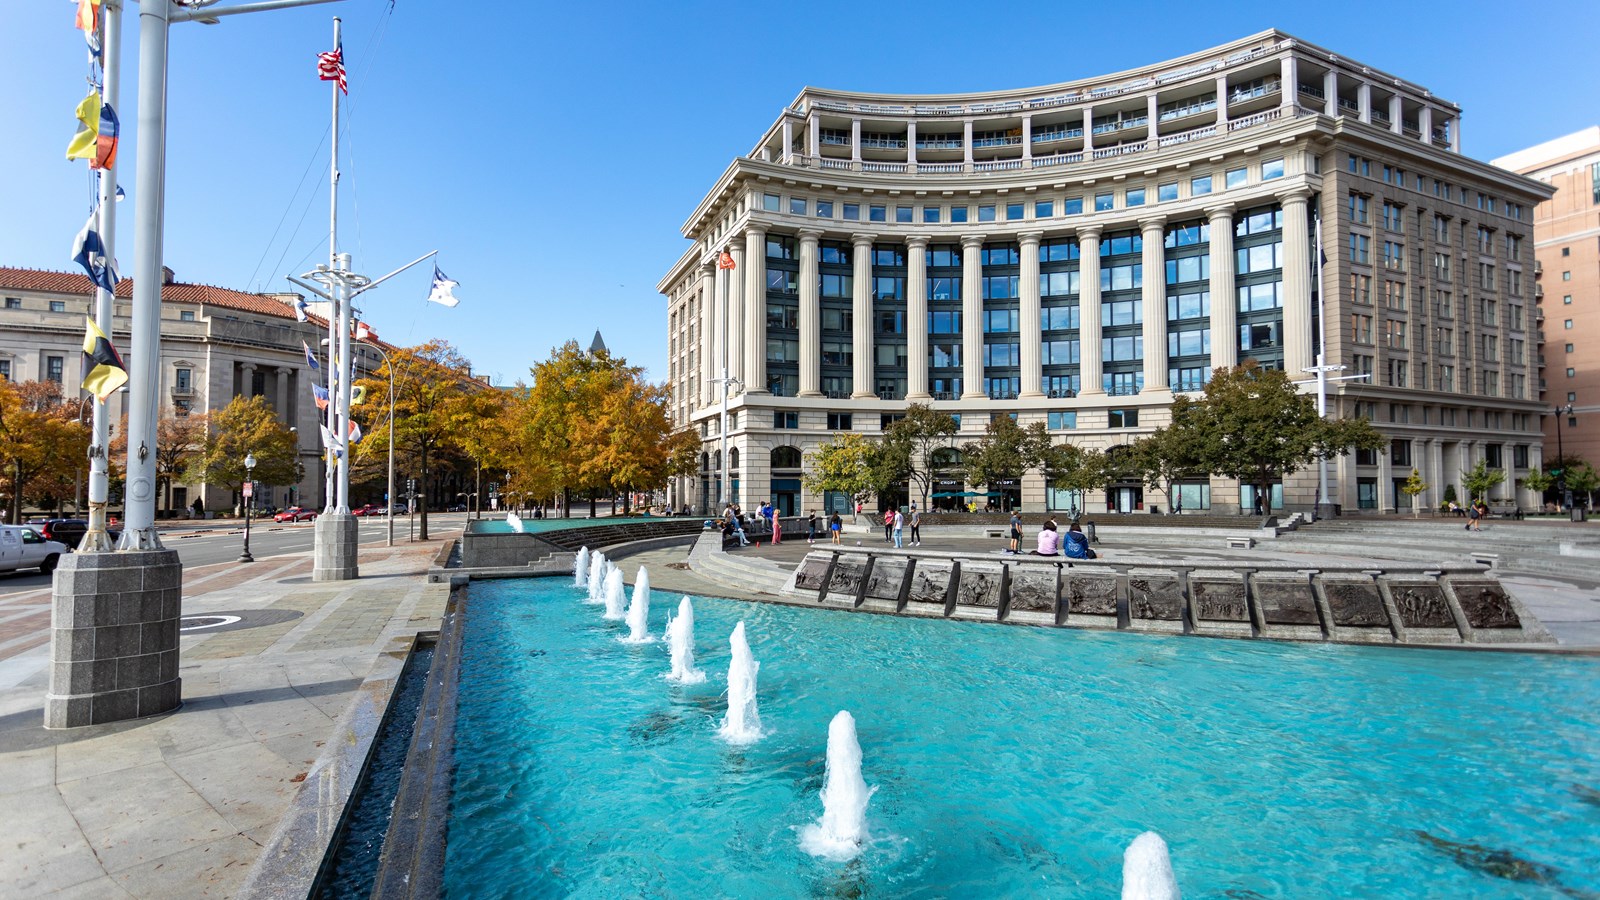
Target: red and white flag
{"x":330,"y":67}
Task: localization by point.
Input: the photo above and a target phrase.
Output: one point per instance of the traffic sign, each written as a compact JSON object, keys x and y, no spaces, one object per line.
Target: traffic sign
{"x":248,"y":492}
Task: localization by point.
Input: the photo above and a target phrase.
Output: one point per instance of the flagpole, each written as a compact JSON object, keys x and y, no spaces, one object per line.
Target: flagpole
{"x":97,"y":539}
{"x":1324,"y":505}
{"x":330,"y":459}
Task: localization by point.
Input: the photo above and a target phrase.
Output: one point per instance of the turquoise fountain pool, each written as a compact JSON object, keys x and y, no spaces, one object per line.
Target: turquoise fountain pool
{"x":1010,"y":762}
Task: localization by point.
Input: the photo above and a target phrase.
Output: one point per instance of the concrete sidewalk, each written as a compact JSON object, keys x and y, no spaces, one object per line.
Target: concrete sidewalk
{"x":180,"y":805}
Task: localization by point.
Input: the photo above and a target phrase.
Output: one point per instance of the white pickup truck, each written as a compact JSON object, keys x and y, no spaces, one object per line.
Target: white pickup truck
{"x":21,"y":547}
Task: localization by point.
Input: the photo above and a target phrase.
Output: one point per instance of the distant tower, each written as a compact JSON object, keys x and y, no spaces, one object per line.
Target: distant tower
{"x":598,"y":345}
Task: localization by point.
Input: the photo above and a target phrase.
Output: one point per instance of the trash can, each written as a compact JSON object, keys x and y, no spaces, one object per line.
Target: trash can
{"x":1088,"y":532}
{"x":1579,"y":514}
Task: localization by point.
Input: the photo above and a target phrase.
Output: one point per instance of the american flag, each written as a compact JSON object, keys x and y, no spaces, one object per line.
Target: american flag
{"x":330,"y":67}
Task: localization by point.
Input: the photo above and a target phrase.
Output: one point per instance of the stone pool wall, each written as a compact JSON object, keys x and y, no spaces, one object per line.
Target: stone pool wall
{"x":1447,"y":604}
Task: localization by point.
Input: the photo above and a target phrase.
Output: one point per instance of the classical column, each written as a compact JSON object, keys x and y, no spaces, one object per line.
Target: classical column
{"x":708,"y":273}
{"x":1385,"y":480}
{"x":1330,"y":93}
{"x":247,"y":379}
{"x":1222,"y":102}
{"x":1297,"y":344}
{"x":917,"y":319}
{"x":755,"y":318}
{"x":1031,"y":329}
{"x":911,"y":144}
{"x":1153,"y":296}
{"x":1151,"y":113}
{"x":966,"y":141}
{"x":1088,"y":131}
{"x":788,"y":141}
{"x":1455,"y":134}
{"x":1364,"y":101}
{"x":810,"y":317}
{"x":814,"y":135}
{"x":1433,"y":474}
{"x":1396,"y":113}
{"x":861,"y":256}
{"x":719,"y":327}
{"x":1027,"y":139}
{"x":283,"y":394}
{"x":1425,"y":124}
{"x":971,"y":313}
{"x":1290,"y":77}
{"x":1089,"y":364}
{"x":855,"y":140}
{"x":1224,"y":302}
{"x":736,"y":311}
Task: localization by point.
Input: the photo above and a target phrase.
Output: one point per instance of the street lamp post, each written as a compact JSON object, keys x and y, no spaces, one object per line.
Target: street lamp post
{"x":1561,"y":412}
{"x":388,"y":498}
{"x":249,"y":492}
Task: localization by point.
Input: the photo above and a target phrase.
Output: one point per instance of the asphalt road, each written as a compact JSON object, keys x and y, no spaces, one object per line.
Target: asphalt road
{"x":200,"y":544}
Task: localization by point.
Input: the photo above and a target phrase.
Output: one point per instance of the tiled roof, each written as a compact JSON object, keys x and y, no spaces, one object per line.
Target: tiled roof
{"x":72,"y":283}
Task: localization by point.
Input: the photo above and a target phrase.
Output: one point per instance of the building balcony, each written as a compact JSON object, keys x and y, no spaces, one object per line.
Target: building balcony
{"x":1121,"y":125}
{"x":1052,"y":135}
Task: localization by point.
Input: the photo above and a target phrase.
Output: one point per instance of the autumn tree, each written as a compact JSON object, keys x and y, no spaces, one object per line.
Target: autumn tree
{"x":1253,"y":425}
{"x":178,"y":440}
{"x":246,"y":426}
{"x":433,"y":397}
{"x":1413,"y":487}
{"x":1006,"y":450}
{"x":1167,"y":456}
{"x":42,"y":443}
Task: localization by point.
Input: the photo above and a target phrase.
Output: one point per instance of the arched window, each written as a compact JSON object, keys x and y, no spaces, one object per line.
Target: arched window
{"x":705,"y":462}
{"x":716,"y":460}
{"x":733,"y":459}
{"x":785,"y":458}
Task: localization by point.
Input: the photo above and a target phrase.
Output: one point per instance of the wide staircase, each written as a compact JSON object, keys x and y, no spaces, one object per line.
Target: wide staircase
{"x":1559,"y":549}
{"x":741,"y":571}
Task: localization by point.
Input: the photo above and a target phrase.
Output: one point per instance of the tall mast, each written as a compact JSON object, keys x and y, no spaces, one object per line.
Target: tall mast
{"x":330,"y":495}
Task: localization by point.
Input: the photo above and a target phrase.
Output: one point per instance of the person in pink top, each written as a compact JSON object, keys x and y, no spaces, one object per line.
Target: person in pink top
{"x":1049,"y":540}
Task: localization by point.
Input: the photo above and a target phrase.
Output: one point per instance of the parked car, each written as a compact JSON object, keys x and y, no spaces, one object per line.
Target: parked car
{"x":21,"y":547}
{"x":66,"y":531}
{"x":370,"y":509}
{"x":459,"y":507}
{"x":296,"y":514}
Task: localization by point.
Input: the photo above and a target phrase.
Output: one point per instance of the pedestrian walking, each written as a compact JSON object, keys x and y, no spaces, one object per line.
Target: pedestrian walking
{"x":899,"y":529}
{"x":777,"y":525}
{"x":888,"y":525}
{"x":811,"y":527}
{"x":1472,"y":518}
{"x":916,"y":526}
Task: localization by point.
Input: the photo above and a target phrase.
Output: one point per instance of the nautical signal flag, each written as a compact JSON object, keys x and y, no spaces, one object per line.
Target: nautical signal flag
{"x":358,"y":394}
{"x":90,"y":252}
{"x":330,"y":67}
{"x":364,"y":332}
{"x":311,"y":358}
{"x":443,"y":292}
{"x":301,"y":313}
{"x":88,"y":17}
{"x":103,"y":371}
{"x":105,"y":144}
{"x":355,"y":432}
{"x":725,"y":261}
{"x":84,"y":143}
{"x":320,"y":395}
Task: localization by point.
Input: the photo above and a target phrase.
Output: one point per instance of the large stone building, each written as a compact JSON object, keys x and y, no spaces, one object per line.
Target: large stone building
{"x":938,"y":249}
{"x":216,"y":344}
{"x":1566,"y":233}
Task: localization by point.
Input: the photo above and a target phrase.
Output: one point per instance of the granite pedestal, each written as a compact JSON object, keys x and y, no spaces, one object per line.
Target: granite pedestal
{"x":334,"y":558}
{"x":114,"y":637}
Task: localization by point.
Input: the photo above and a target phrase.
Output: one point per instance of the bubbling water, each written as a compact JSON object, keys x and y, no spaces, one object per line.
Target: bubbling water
{"x":597,"y":577}
{"x":743,"y":722}
{"x":615,"y":595}
{"x":680,"y":638}
{"x":1147,"y":870}
{"x":580,"y":569}
{"x":841,"y":831}
{"x":639,"y":610}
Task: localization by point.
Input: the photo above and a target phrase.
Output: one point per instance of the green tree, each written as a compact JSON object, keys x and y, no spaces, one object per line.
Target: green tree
{"x":1167,"y":456}
{"x":246,"y":426}
{"x":1006,"y":450}
{"x":1539,"y":481}
{"x":852,"y":464}
{"x":1069,"y":467}
{"x":1414,"y":486}
{"x":1255,"y":426}
{"x":1479,"y":481}
{"x":913,"y":440}
{"x":1582,"y":480}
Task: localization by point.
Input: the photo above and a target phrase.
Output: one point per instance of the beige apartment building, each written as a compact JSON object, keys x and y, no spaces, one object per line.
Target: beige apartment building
{"x":216,"y":344}
{"x":1566,"y":231}
{"x":1080,"y":253}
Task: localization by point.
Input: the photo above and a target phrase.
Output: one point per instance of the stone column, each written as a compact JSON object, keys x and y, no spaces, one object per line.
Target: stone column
{"x":755,"y":318}
{"x":1455,"y":134}
{"x":1151,"y":112}
{"x":911,"y":144}
{"x":1330,"y":93}
{"x":966,"y":142}
{"x":285,"y":408}
{"x":813,"y":135}
{"x":971,"y":313}
{"x":736,"y":311}
{"x":1297,"y":344}
{"x":810,"y":317}
{"x":1154,"y":298}
{"x":247,"y":379}
{"x":708,"y":273}
{"x":1088,"y":131}
{"x":861,"y":352}
{"x":917,"y":319}
{"x":1434,"y":495}
{"x":719,"y":326}
{"x":1385,"y":480}
{"x":855,"y":141}
{"x":1425,"y":124}
{"x":787,"y":156}
{"x":1089,"y":364}
{"x":1224,"y":300}
{"x":1396,"y":113}
{"x":1364,"y":101}
{"x":1031,"y":329}
{"x":1290,"y":77}
{"x":1222,"y":103}
{"x":1027,"y":139}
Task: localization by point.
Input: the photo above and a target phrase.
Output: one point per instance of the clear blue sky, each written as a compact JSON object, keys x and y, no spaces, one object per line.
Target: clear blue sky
{"x":551,"y":153}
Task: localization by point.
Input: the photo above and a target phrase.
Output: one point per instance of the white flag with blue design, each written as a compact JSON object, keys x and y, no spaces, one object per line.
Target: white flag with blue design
{"x":443,"y":289}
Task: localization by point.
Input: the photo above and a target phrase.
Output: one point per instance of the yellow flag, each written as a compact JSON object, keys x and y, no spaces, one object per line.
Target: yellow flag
{"x":357,"y":394}
{"x":83,"y":143}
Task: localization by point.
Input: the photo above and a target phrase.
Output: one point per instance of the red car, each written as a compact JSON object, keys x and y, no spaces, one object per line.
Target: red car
{"x":296,"y":514}
{"x":371,"y":509}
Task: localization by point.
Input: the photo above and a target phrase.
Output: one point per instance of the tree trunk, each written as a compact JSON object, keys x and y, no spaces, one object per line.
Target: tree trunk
{"x":627,"y":501}
{"x":566,"y":503}
{"x":592,"y":509}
